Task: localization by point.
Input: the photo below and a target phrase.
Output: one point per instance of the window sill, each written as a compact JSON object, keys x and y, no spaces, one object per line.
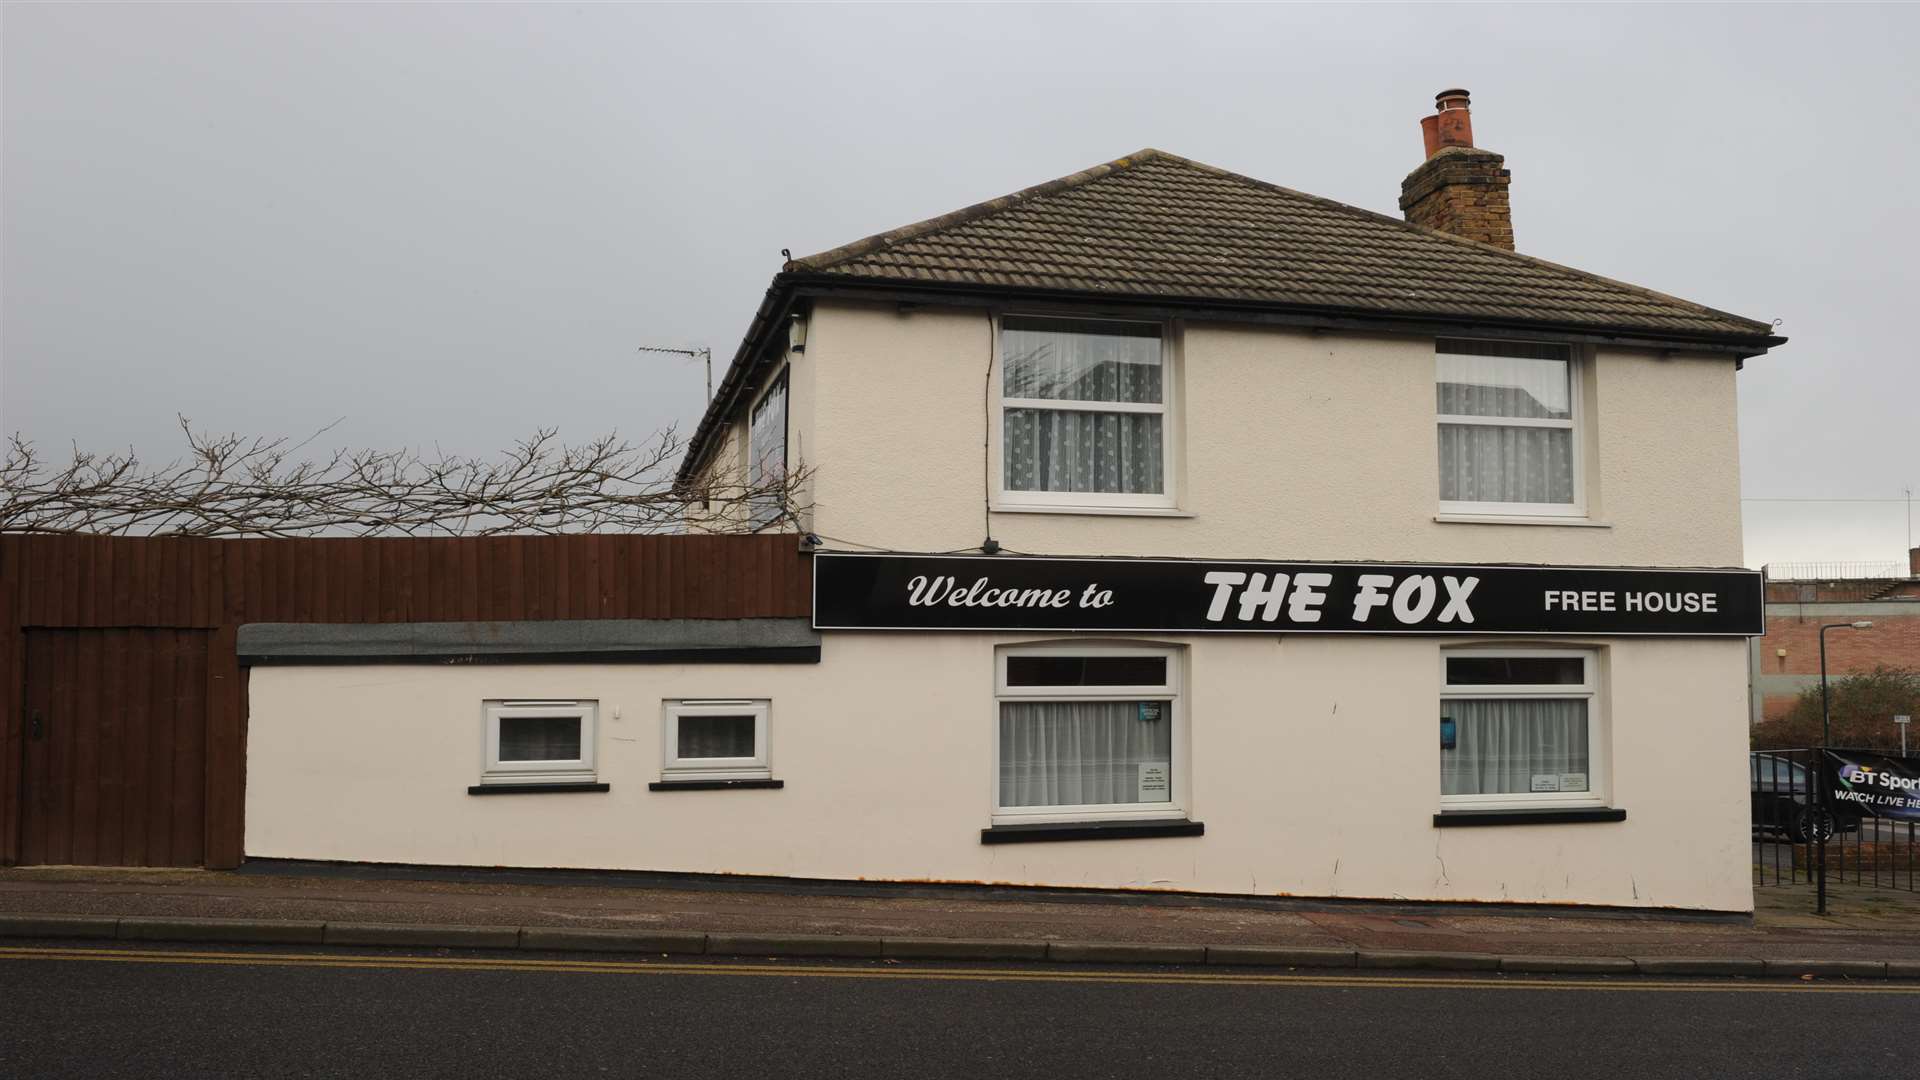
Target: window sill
{"x":1521,"y":519}
{"x":1560,"y":815}
{"x":537,"y":789}
{"x":1096,"y":511}
{"x":713,"y":785}
{"x":1039,"y":832}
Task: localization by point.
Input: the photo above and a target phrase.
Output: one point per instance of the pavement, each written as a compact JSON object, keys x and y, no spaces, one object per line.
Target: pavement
{"x":1869,"y":929}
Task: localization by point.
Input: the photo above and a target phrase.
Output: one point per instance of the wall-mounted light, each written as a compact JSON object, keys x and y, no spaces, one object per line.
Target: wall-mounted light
{"x":797,"y":333}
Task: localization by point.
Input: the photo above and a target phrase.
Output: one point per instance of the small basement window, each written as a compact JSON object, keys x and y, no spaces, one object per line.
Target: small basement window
{"x":539,"y":742}
{"x":712,"y":739}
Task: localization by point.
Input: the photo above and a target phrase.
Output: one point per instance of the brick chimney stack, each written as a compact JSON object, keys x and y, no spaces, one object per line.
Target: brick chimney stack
{"x":1459,"y":188}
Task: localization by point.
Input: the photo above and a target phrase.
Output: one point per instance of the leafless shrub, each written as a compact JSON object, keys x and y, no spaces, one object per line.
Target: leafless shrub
{"x":234,"y":485}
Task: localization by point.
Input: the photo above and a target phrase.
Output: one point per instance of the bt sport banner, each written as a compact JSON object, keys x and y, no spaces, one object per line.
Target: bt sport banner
{"x":1880,"y":786}
{"x":855,"y":591}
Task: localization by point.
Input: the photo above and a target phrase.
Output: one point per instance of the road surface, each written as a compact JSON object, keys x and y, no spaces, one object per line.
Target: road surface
{"x":69,"y":1010}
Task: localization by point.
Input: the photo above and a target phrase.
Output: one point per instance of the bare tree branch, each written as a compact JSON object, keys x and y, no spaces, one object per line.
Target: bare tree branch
{"x":233,"y":485}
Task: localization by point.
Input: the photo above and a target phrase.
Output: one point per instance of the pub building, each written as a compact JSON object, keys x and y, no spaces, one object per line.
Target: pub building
{"x":1168,"y":530}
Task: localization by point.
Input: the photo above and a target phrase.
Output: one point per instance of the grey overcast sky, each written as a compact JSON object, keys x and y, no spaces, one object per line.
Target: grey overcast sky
{"x":453,"y":224}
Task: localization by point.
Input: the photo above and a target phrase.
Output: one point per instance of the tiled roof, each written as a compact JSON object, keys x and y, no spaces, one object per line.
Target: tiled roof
{"x":1156,"y":225}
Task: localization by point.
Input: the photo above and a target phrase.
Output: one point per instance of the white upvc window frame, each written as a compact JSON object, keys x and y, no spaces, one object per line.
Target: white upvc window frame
{"x":1588,"y":690}
{"x":1176,"y":806}
{"x":1574,"y":423}
{"x":782,"y":381}
{"x":675,"y":767}
{"x":571,"y":771}
{"x":1014,"y":500}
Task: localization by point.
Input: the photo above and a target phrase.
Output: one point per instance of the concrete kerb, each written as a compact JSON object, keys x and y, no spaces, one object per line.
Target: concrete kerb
{"x":568,"y":939}
{"x":665,"y":942}
{"x":60,"y":926}
{"x":1853,"y":969}
{"x":458,"y":937}
{"x":1107,"y":952}
{"x":770,"y":945}
{"x":961,"y":949}
{"x":1280,"y":956}
{"x":1699,"y":965}
{"x":1568,"y":965}
{"x":236,"y":931}
{"x":1429,"y":961}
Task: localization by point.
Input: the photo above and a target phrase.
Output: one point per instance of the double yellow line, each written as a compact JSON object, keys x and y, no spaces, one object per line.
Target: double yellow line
{"x":885,"y":970}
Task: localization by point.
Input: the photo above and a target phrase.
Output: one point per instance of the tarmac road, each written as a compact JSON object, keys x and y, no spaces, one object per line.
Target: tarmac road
{"x":67,"y":1010}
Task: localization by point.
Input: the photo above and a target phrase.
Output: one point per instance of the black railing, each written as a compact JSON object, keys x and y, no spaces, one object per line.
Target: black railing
{"x":1803,"y":836}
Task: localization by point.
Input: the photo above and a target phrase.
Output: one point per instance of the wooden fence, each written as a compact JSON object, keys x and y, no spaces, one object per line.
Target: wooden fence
{"x":123,"y":718}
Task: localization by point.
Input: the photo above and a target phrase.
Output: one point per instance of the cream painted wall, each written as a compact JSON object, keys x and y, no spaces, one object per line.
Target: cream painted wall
{"x":1313,"y":764}
{"x":1296,"y":446}
{"x":1313,"y":760}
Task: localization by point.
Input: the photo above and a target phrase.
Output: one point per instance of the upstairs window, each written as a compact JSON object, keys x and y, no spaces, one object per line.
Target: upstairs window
{"x":1509,"y":442}
{"x":1084,"y":418}
{"x":767,"y":453}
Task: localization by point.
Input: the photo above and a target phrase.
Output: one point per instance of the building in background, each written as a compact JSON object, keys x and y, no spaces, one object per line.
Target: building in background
{"x":1801,"y":597}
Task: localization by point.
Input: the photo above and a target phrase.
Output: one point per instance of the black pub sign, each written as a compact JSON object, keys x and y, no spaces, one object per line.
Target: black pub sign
{"x":1013,"y":592}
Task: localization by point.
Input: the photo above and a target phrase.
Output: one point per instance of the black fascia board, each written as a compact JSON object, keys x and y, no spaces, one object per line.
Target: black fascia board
{"x":1305,"y":316}
{"x":776,"y":307}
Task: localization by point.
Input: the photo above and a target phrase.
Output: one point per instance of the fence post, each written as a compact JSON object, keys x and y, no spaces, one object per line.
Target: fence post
{"x":1813,"y":832}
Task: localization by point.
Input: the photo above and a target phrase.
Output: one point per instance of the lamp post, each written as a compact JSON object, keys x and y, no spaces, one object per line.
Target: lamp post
{"x":1826,"y":722}
{"x":1820,"y":768}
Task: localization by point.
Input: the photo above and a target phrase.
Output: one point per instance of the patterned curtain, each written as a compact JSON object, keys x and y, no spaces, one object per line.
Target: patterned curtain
{"x":1082,"y":450}
{"x":1482,"y":463}
{"x":1530,"y":463}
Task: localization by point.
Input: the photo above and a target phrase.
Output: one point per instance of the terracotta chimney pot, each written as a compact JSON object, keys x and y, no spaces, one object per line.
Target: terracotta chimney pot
{"x":1458,"y":188}
{"x":1453,"y":121}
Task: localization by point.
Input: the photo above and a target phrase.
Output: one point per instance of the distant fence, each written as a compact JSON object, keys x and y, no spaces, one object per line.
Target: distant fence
{"x":1833,"y":571}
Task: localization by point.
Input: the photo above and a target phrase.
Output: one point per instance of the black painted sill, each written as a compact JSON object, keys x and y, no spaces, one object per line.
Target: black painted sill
{"x":712,"y":785}
{"x":1566,"y":815}
{"x":535,"y":789}
{"x":1089,"y":830}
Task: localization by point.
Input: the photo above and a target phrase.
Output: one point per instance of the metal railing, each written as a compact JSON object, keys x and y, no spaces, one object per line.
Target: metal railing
{"x":1802,"y":836}
{"x":1833,"y":571}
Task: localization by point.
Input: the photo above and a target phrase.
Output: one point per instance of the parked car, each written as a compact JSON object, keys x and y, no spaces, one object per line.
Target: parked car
{"x":1783,"y":798}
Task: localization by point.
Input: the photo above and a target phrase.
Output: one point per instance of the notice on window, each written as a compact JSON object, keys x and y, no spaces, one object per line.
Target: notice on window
{"x":1156,"y":783}
{"x":1573,"y":781}
{"x":1546,"y":781}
